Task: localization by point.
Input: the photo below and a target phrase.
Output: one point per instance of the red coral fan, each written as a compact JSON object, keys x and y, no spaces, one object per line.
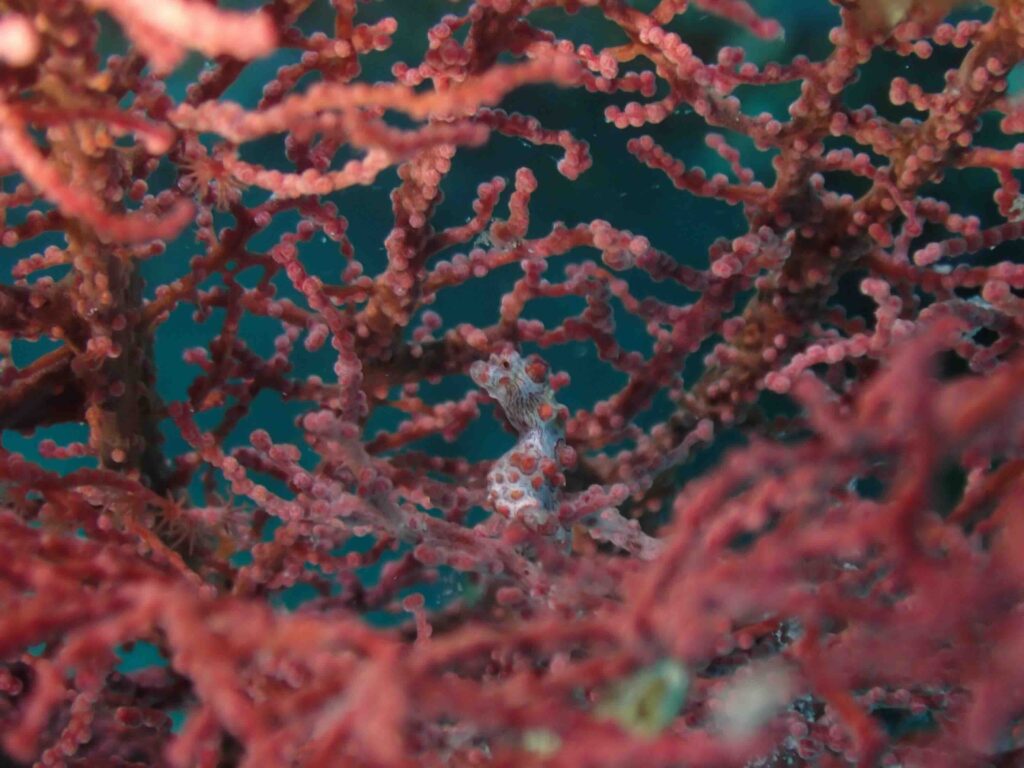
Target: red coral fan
{"x":787,"y":532}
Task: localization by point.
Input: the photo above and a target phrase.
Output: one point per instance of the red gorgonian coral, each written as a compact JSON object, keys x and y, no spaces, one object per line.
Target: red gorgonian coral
{"x":764,"y":504}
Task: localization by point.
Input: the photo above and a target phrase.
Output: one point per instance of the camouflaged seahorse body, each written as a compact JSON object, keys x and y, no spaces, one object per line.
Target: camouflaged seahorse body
{"x":523,"y":484}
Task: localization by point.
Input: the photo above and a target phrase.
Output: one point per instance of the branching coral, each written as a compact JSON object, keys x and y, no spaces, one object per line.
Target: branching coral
{"x":771,"y":516}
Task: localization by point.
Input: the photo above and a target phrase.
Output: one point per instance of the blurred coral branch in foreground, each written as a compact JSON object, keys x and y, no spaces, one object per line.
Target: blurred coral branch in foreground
{"x":842,"y":586}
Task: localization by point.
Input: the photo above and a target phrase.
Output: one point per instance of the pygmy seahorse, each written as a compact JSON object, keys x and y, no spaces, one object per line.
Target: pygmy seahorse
{"x":524,"y":483}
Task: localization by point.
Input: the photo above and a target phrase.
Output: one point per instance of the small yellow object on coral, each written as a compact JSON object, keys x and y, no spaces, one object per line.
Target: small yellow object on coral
{"x":650,"y":700}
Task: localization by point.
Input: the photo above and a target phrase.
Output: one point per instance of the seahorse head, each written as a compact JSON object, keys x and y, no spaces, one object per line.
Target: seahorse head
{"x":521,"y":388}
